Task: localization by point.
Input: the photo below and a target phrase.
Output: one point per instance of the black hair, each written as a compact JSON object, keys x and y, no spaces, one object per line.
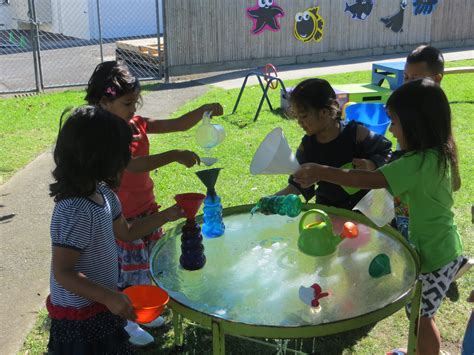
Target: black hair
{"x":93,"y":146}
{"x":110,"y":79}
{"x":315,"y":94}
{"x":430,"y":55}
{"x":425,"y":118}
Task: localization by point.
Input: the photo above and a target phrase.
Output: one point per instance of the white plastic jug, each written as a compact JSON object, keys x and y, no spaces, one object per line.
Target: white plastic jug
{"x":209,"y":135}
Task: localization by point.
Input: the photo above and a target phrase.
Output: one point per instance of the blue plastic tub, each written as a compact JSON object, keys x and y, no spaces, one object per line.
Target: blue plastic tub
{"x":371,"y":115}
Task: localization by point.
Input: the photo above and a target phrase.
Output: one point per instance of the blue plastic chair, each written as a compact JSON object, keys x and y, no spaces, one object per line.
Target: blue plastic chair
{"x":371,"y":115}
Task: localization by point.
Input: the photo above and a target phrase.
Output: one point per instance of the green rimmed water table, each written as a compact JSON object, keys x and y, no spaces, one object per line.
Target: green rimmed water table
{"x":250,"y":284}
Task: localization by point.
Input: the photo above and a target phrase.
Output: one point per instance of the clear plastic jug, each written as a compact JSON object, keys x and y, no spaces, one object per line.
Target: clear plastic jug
{"x":208,"y":135}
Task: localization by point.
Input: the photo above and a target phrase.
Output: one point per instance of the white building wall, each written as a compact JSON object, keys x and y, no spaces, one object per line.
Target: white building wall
{"x":6,"y":17}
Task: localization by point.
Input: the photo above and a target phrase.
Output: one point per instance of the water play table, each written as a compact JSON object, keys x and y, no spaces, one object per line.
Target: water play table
{"x":251,"y":282}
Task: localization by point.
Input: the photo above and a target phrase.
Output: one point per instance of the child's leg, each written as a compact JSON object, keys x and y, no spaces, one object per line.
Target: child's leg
{"x":429,"y":339}
{"x":434,"y":287}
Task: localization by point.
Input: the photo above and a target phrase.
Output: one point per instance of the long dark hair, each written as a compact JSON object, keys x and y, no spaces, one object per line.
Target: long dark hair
{"x":111,"y":80}
{"x":425,"y":118}
{"x":93,"y":146}
{"x":315,"y":94}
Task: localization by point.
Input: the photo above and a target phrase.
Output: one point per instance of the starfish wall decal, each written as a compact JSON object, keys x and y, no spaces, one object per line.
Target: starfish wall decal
{"x":265,"y":16}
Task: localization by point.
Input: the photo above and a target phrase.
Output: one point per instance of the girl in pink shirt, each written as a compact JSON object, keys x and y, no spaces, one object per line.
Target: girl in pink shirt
{"x":115,"y":89}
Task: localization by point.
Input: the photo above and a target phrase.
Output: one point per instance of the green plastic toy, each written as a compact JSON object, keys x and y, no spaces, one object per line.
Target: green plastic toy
{"x":380,"y":266}
{"x":317,"y":239}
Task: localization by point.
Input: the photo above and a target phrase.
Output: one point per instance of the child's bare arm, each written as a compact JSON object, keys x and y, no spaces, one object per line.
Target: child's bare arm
{"x":184,"y":122}
{"x":130,"y":231}
{"x":151,"y":162}
{"x":310,"y":173}
{"x":64,"y":263}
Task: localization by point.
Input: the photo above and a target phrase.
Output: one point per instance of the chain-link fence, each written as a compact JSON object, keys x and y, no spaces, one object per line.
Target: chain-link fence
{"x":58,"y":43}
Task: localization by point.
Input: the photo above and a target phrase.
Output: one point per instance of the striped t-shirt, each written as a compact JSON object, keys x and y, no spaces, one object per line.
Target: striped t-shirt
{"x":83,"y":225}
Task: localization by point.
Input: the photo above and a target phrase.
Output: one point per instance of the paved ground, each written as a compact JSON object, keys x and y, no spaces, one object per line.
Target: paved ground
{"x":25,"y":242}
{"x":25,"y":251}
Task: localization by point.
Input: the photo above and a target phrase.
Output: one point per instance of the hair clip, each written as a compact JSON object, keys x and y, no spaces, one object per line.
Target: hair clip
{"x":111,"y":91}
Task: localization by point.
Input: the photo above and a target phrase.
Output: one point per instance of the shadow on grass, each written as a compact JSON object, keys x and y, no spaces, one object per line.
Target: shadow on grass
{"x":245,"y":119}
{"x":199,"y":341}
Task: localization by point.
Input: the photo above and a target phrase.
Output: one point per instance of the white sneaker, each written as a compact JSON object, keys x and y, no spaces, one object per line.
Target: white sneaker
{"x":466,"y":264}
{"x":158,"y":322}
{"x":138,"y":336}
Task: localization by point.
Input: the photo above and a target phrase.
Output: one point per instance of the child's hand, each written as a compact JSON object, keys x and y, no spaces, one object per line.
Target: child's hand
{"x":187,"y":158}
{"x":471,"y":297}
{"x":120,"y":305}
{"x":307,"y":174}
{"x":363,"y":164}
{"x":173,"y":213}
{"x":215,"y":109}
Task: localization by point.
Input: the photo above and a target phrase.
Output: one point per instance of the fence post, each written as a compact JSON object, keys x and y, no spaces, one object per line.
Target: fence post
{"x":35,"y":44}
{"x":100,"y":32}
{"x":158,"y":36}
{"x":165,"y":43}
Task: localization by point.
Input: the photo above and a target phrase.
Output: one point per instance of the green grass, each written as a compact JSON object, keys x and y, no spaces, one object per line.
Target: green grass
{"x":32,"y":126}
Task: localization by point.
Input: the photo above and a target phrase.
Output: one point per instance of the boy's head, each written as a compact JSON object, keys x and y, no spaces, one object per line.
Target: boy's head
{"x":424,"y":62}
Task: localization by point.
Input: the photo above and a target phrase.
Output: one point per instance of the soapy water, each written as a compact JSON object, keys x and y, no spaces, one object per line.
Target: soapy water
{"x":254,"y":271}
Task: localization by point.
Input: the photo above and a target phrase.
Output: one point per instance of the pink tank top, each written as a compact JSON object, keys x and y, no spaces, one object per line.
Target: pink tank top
{"x":136,"y":189}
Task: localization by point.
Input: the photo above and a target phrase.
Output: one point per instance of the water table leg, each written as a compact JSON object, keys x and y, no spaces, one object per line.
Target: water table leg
{"x":218,"y":339}
{"x":178,"y":328}
{"x":414,"y":319}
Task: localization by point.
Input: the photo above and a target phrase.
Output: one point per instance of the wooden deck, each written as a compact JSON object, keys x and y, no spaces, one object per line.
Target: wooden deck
{"x":144,"y":46}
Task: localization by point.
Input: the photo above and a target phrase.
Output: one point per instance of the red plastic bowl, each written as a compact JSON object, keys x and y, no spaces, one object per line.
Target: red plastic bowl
{"x":148,"y":301}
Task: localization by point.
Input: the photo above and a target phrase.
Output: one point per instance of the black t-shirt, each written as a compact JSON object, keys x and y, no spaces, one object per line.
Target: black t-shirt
{"x":337,"y":153}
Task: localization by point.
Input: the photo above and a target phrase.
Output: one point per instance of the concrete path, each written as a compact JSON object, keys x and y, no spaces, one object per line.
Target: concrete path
{"x":288,"y":72}
{"x":25,"y":253}
{"x":25,"y":242}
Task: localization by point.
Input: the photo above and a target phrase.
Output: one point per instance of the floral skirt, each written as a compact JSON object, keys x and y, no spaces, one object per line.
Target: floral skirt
{"x":134,"y":257}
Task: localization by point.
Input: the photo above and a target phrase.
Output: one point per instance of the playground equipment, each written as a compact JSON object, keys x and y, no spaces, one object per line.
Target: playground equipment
{"x":269,"y":74}
{"x":255,"y":271}
{"x":391,"y":71}
{"x":363,"y":92}
{"x":274,"y":156}
{"x":371,"y":115}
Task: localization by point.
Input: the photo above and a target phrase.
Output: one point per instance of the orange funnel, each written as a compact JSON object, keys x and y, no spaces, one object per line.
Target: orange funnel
{"x":190,"y":203}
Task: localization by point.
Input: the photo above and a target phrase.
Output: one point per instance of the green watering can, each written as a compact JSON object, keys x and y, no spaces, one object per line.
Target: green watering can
{"x":317,"y":239}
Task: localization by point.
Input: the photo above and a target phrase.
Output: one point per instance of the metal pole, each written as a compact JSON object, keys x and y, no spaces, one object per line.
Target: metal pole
{"x":263,"y":89}
{"x":242,"y":88}
{"x":165,"y":43}
{"x":35,"y":45}
{"x":100,"y":32}
{"x":414,"y":318}
{"x":158,"y":37}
